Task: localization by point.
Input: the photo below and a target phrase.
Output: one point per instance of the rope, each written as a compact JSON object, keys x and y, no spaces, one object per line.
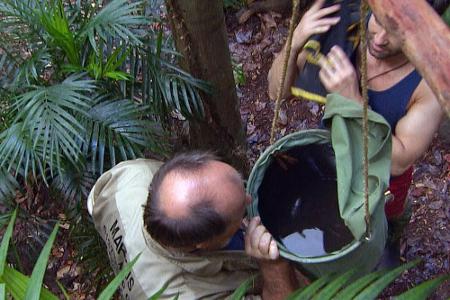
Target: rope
{"x":364,"y":10}
{"x":292,"y":24}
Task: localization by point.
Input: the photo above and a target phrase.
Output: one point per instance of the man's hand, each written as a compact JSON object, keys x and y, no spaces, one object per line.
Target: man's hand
{"x":338,"y":75}
{"x":278,"y":276}
{"x":315,"y":21}
{"x":259,"y":242}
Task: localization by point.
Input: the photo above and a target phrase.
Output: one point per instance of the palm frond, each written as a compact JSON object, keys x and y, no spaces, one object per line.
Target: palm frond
{"x":29,"y":70}
{"x":117,"y":18}
{"x":19,"y":17}
{"x":118,"y":130}
{"x":163,"y":85}
{"x":45,"y":128}
{"x":54,"y":21}
{"x":17,"y":152}
{"x":74,"y":184}
{"x":345,"y":286}
{"x":8,"y":185}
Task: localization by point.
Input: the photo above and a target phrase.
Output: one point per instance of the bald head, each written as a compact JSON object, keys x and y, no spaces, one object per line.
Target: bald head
{"x":193,"y":197}
{"x":181,"y":190}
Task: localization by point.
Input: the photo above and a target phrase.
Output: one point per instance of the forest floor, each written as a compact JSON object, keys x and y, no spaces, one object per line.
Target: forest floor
{"x":253,"y":45}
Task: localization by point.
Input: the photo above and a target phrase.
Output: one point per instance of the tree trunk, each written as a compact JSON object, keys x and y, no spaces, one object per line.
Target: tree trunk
{"x":200,"y":36}
{"x":426,"y":40}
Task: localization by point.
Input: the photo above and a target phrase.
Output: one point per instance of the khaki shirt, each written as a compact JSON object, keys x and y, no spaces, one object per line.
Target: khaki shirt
{"x":116,"y":204}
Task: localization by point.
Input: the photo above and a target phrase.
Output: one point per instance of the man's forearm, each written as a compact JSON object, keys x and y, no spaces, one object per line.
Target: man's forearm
{"x":279,"y":279}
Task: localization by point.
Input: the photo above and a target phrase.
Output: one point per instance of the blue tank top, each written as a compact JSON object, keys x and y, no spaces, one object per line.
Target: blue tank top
{"x":392,"y":103}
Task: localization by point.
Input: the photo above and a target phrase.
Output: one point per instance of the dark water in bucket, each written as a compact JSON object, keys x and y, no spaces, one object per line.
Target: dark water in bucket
{"x":298,"y":204}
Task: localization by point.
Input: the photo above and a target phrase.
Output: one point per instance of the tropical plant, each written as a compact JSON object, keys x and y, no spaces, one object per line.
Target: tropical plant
{"x":84,"y":85}
{"x":346,"y":286}
{"x":20,"y":286}
{"x":87,"y":84}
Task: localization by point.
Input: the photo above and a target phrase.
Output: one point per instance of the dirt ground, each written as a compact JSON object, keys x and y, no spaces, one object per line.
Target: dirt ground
{"x":253,"y":45}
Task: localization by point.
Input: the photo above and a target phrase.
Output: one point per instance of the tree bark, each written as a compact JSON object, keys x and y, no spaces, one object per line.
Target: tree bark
{"x":200,"y":36}
{"x":426,"y":40}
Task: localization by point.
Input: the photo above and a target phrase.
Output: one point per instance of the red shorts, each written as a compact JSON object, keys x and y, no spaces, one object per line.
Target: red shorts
{"x":399,"y":187}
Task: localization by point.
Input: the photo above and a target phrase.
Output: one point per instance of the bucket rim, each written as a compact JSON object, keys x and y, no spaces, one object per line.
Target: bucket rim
{"x":319,"y":136}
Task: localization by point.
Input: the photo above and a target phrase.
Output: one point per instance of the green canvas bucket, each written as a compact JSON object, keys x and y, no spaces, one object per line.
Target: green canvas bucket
{"x":344,"y":139}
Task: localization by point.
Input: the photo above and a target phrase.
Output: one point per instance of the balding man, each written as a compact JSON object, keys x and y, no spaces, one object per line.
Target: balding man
{"x":185,"y":218}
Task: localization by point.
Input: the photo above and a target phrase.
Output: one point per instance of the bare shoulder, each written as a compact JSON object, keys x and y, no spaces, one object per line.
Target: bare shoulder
{"x":424,"y":96}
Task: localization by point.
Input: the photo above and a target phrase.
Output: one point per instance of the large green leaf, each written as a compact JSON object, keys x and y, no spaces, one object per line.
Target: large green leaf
{"x":5,"y":242}
{"x":16,"y":284}
{"x":109,"y":291}
{"x":158,"y":294}
{"x":334,"y":286}
{"x":2,"y":291}
{"x":376,"y":287}
{"x":350,"y":291}
{"x":309,"y":291}
{"x":33,"y":291}
{"x":369,"y":286}
{"x":240,"y":292}
{"x":423,"y":290}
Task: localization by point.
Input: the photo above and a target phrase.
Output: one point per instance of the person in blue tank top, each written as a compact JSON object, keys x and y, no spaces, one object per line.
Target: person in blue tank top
{"x":396,"y":90}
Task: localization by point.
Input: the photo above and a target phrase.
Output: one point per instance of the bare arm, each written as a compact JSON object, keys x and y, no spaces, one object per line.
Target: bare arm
{"x":414,"y":132}
{"x":277,"y":68}
{"x":279,"y":279}
{"x":313,"y":22}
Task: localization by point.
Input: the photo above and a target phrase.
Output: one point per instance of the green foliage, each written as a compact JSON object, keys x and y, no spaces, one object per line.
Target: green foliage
{"x":86,"y":83}
{"x":235,"y":4}
{"x":345,"y":286}
{"x":20,"y":286}
{"x":35,"y":284}
{"x":158,"y":294}
{"x":239,"y":293}
{"x":109,"y":291}
{"x":446,"y":16}
{"x":16,"y":285}
{"x":5,"y":242}
{"x":424,"y":290}
{"x":238,"y":74}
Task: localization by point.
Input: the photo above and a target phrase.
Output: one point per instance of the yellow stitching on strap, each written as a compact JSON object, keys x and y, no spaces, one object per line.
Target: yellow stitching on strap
{"x":308,"y":95}
{"x":313,"y":54}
